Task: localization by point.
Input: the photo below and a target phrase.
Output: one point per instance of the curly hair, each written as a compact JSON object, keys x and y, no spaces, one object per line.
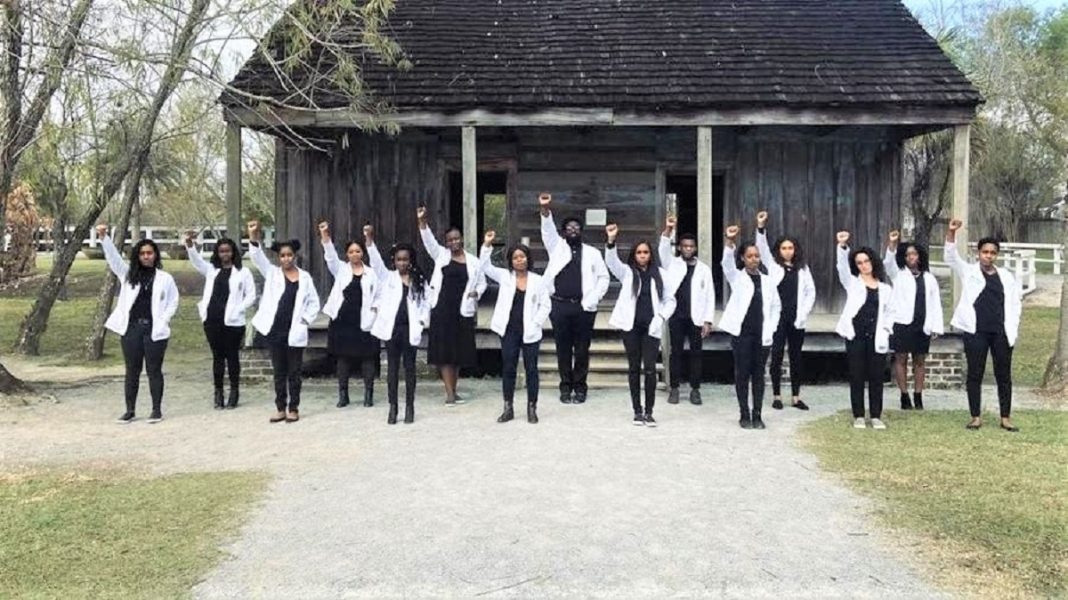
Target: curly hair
{"x":903,"y":249}
{"x":519,"y":247}
{"x":136,"y":272}
{"x":418,"y":279}
{"x":799,"y":254}
{"x":877,"y":268}
{"x":235,"y":251}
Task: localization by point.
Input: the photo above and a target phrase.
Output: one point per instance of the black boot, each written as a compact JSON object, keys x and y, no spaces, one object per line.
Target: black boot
{"x":744,"y":420}
{"x":218,"y":398}
{"x":392,"y":420}
{"x":369,"y":396}
{"x":673,"y":396}
{"x":757,"y":422}
{"x":234,"y":395}
{"x":906,"y":402}
{"x":532,"y":412}
{"x":917,"y":400}
{"x":508,"y":413}
{"x":409,"y":411}
{"x":342,"y":397}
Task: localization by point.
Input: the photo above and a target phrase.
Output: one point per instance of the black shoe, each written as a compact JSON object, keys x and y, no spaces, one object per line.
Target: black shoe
{"x":532,"y":412}
{"x":649,"y":420}
{"x":1010,"y":428}
{"x":218,"y":398}
{"x":234,"y":395}
{"x":906,"y":402}
{"x":508,"y":413}
{"x":155,"y":417}
{"x":777,"y":404}
{"x":342,"y":397}
{"x":392,"y":420}
{"x":673,"y":396}
{"x":639,"y":419}
{"x":757,"y":422}
{"x":745,"y":423}
{"x":580,"y":398}
{"x":126,"y":418}
{"x":368,"y":396}
{"x":800,"y":405}
{"x":565,"y":397}
{"x":409,"y":412}
{"x":695,"y":397}
{"x":917,"y":400}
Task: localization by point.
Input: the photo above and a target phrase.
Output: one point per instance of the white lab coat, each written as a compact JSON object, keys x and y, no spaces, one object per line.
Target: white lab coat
{"x":388,"y":299}
{"x":536,"y":302}
{"x":742,"y":291}
{"x":594,"y":272}
{"x":702,"y":285}
{"x":342,"y":273}
{"x":806,"y":287}
{"x":305,"y":307}
{"x":622,"y":316}
{"x":971,"y":276}
{"x":903,"y":299}
{"x":856,"y":295}
{"x":164,"y":296}
{"x":242,"y":290}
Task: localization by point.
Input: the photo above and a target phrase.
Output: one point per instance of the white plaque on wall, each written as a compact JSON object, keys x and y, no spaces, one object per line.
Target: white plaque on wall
{"x":596,"y":217}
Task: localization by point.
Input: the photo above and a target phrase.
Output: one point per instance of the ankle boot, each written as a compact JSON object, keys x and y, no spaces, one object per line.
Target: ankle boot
{"x":218,"y":398}
{"x":409,"y":411}
{"x":392,"y":420}
{"x":342,"y":397}
{"x":906,"y":402}
{"x":234,"y":395}
{"x":917,"y":400}
{"x":508,"y":414}
{"x":532,"y":412}
{"x":369,"y":396}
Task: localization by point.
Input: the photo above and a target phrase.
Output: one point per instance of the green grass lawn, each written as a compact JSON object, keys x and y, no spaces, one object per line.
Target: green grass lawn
{"x":105,"y":535}
{"x":990,"y":508}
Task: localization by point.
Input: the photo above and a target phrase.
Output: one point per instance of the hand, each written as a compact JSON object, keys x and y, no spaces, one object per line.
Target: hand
{"x":842,"y":237}
{"x":487,"y":239}
{"x":706,"y":330}
{"x":671,"y":223}
{"x":611,"y":230}
{"x":544,"y":200}
{"x":955,"y":224}
{"x":731,"y":232}
{"x":369,"y":233}
{"x":101,"y":230}
{"x":324,"y":231}
{"x":254,"y":230}
{"x":188,"y":238}
{"x":894,"y":237}
{"x":762,"y":219}
{"x":420,"y":213}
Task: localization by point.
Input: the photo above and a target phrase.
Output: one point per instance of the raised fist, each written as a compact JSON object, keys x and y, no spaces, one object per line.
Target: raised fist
{"x":101,"y":230}
{"x":955,"y":224}
{"x":545,"y":199}
{"x":731,"y":232}
{"x":894,"y":237}
{"x":369,"y":232}
{"x":188,"y":238}
{"x":487,"y":239}
{"x":671,"y":222}
{"x":842,"y":237}
{"x":611,"y":230}
{"x":324,"y":230}
{"x":762,"y":219}
{"x":254,"y":230}
{"x":420,"y":213}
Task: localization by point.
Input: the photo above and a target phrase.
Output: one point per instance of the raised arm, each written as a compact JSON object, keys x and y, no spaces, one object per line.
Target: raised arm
{"x":611,"y":254}
{"x":433,"y":248}
{"x":333,"y":263}
{"x":950,"y":253}
{"x":775,"y":270}
{"x":111,"y":253}
{"x":374,"y":257}
{"x":550,"y":237}
{"x":890,"y":256}
{"x":485,"y":264}
{"x":255,"y":250}
{"x":195,"y":258}
{"x":730,"y":268}
{"x":664,"y":247}
{"x":841,"y":263}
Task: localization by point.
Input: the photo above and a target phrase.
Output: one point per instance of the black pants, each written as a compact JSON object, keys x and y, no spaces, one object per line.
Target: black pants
{"x":286,"y":362}
{"x":750,"y":357}
{"x":866,"y":366}
{"x":786,"y":333}
{"x":976,"y":347}
{"x":641,"y":364}
{"x":400,"y":350}
{"x":511,"y":346}
{"x":225,"y":343}
{"x":682,"y":329}
{"x":139,"y":350}
{"x":573,"y":331}
{"x":344,"y":371}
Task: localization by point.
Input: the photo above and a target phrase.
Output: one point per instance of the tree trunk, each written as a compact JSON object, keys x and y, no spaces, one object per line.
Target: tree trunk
{"x":94,"y":344}
{"x":36,"y":322}
{"x":9,"y":384}
{"x":1056,"y":376}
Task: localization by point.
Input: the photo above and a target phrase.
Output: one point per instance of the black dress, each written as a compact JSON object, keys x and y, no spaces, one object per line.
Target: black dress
{"x":910,"y":338}
{"x":344,"y":336}
{"x":283,"y":316}
{"x":452,"y":337}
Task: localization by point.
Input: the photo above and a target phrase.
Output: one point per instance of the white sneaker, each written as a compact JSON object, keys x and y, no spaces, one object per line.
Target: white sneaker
{"x":858,"y":423}
{"x":877,"y":424}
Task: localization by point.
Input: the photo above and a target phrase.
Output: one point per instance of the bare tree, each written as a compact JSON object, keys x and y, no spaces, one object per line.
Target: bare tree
{"x":927,"y":170}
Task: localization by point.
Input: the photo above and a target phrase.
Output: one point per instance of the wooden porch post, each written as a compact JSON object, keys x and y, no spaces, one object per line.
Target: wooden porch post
{"x":961,"y":168}
{"x":704,"y":191}
{"x":233,"y":181}
{"x":470,"y":178}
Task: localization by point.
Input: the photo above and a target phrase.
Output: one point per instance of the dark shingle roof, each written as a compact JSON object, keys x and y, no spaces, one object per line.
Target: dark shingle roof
{"x":654,"y":56}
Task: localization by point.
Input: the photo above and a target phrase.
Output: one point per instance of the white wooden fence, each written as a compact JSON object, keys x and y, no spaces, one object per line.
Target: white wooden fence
{"x":1022,"y":260}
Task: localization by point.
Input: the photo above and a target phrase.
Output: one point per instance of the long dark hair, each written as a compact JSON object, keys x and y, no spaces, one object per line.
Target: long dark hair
{"x":234,"y":249}
{"x":877,"y":267}
{"x":653,"y":267}
{"x":799,"y":255}
{"x":520,"y":247}
{"x":418,"y":279}
{"x":902,"y":250}
{"x":136,"y":272}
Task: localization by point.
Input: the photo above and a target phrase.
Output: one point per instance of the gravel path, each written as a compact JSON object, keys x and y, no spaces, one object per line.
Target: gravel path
{"x":583,"y":504}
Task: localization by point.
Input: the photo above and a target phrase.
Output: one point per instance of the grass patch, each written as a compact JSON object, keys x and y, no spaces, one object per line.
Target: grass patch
{"x":113,"y":536}
{"x":991,"y":507}
{"x":1038,"y":336}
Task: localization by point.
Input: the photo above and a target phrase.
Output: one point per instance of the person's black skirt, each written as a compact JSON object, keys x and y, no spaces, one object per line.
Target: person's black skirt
{"x":910,"y":339}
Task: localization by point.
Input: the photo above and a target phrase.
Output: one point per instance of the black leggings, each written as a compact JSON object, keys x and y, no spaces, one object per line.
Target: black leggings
{"x":344,"y":371}
{"x":682,"y":329}
{"x":400,"y":350}
{"x":866,"y":366}
{"x":786,"y":333}
{"x":511,"y":347}
{"x":286,"y":362}
{"x":225,"y":343}
{"x":139,"y":350}
{"x":750,"y":357}
{"x":976,"y":347}
{"x":641,"y":361}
